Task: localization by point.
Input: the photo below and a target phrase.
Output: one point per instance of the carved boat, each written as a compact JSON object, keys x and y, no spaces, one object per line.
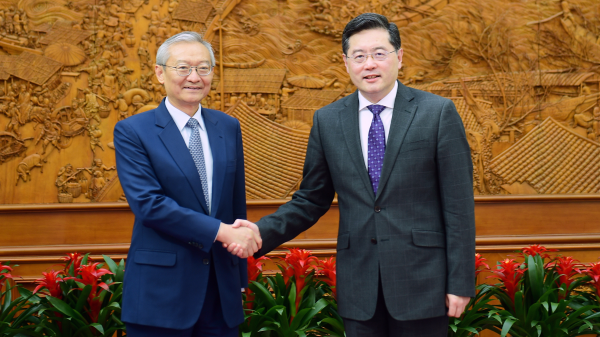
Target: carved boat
{"x":564,"y":110}
{"x":10,"y":146}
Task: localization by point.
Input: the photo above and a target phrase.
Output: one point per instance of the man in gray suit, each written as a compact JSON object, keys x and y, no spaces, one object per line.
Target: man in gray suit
{"x":400,"y":163}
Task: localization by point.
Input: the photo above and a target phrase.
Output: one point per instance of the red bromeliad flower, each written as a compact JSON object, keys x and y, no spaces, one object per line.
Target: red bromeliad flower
{"x":510,"y":273}
{"x":480,"y":262}
{"x":90,"y":275}
{"x":298,"y":263}
{"x":594,"y":272}
{"x":537,"y":249}
{"x":328,"y":269}
{"x":567,"y":268}
{"x":75,"y":260}
{"x":255,"y":267}
{"x":4,"y":274}
{"x":50,"y":281}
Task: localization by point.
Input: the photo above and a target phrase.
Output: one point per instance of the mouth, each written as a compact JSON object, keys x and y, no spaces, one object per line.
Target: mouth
{"x":193,"y":88}
{"x":371,"y":77}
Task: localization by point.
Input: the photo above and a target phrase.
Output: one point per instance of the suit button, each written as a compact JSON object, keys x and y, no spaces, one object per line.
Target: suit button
{"x":377,"y":209}
{"x":205,"y":261}
{"x":200,"y":246}
{"x":374,"y":241}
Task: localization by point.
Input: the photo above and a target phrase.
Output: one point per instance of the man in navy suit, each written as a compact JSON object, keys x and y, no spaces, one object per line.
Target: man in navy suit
{"x":182,"y":169}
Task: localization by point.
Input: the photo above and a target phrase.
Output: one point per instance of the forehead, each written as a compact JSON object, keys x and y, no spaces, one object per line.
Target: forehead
{"x":188,"y":52}
{"x":369,"y":39}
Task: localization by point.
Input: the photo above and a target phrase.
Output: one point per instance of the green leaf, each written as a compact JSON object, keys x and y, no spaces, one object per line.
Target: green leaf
{"x":292,"y":299}
{"x":83,"y":297}
{"x":472,"y":330}
{"x":112,"y":266}
{"x":65,"y":308}
{"x":98,"y":327}
{"x":507,"y":325}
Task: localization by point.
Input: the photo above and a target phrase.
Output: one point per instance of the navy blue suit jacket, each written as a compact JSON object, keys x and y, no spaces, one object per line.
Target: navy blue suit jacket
{"x":173,"y":236}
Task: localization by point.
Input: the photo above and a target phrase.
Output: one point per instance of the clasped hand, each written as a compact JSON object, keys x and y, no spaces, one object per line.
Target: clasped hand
{"x":241,"y":239}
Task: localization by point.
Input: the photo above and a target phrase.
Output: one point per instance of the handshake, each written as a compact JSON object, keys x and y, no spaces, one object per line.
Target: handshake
{"x":241,"y":239}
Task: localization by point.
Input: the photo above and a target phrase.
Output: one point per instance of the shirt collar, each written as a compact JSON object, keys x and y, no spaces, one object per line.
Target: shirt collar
{"x":388,"y":101}
{"x":181,"y":118}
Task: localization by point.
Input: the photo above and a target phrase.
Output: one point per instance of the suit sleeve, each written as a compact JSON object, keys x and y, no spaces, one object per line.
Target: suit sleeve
{"x":145,"y":195}
{"x":308,"y":204}
{"x":239,"y":197}
{"x":455,"y":174}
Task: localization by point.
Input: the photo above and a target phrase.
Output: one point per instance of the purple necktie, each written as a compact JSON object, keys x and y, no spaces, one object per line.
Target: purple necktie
{"x":376,"y":145}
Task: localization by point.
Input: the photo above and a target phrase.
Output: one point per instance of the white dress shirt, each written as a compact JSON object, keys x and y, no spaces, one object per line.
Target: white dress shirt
{"x":181,"y":119}
{"x":365,"y":118}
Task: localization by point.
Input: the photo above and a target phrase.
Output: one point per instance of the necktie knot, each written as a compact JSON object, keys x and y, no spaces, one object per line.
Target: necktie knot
{"x":376,"y":109}
{"x":192,"y":123}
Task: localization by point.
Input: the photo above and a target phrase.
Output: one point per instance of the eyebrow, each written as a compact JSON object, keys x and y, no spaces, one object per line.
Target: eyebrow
{"x":186,"y":62}
{"x":362,"y":50}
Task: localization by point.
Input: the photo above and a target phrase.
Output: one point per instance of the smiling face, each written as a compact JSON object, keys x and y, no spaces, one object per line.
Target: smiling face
{"x":374,"y":79}
{"x":185,"y":92}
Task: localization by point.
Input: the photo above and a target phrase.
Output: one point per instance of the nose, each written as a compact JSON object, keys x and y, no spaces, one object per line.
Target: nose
{"x":370,"y":62}
{"x":193,"y":76}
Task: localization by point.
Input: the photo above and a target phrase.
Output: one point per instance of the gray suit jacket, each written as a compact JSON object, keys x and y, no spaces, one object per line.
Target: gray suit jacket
{"x":418,"y":232}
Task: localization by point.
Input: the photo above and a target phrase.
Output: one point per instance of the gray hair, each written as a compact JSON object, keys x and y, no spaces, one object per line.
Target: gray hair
{"x":162,"y":55}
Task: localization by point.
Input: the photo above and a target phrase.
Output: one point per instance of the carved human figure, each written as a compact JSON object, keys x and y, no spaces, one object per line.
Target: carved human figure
{"x":96,"y":184}
{"x":14,"y":123}
{"x":50,"y":134}
{"x":122,"y":72}
{"x":95,"y":134}
{"x":117,"y":39}
{"x":109,"y":85}
{"x":143,"y":52}
{"x":97,"y":170}
{"x":65,"y":174}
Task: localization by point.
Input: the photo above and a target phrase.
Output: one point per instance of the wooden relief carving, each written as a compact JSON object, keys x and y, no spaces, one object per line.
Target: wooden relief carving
{"x":525,"y":77}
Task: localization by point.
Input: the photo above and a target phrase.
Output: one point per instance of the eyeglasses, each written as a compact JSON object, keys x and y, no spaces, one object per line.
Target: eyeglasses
{"x":378,"y":56}
{"x":183,"y":71}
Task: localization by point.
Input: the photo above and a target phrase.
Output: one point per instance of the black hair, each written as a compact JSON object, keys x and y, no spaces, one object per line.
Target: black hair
{"x":370,"y":21}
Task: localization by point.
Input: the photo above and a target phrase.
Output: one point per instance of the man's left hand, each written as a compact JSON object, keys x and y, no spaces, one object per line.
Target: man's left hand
{"x":456,"y":304}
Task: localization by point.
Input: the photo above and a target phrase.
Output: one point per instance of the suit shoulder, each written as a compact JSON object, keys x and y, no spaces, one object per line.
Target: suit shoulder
{"x":425,"y":96}
{"x":337,"y":105}
{"x":220,"y":116}
{"x":139,"y":119}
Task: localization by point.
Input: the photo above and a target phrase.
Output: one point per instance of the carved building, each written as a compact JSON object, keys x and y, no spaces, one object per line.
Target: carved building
{"x":70,"y":71}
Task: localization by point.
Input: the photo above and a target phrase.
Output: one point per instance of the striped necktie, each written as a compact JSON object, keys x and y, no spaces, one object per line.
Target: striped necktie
{"x":198,"y":156}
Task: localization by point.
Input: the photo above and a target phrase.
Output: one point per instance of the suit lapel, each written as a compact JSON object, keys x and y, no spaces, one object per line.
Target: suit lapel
{"x":217,"y":148}
{"x":351,"y":131}
{"x":404,"y":112}
{"x":171,"y":137}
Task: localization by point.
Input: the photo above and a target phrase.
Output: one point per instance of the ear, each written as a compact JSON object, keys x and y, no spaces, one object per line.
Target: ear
{"x":159,"y":71}
{"x":346,"y":63}
{"x":400,"y":54}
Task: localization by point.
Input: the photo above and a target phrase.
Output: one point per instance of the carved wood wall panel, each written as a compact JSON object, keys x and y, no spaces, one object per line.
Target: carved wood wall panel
{"x":524,"y":75}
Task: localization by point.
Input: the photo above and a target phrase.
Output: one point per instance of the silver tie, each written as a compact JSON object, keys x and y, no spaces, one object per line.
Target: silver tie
{"x":198,"y":155}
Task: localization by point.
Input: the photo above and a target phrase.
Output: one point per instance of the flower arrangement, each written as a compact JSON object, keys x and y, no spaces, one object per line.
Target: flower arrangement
{"x":82,"y":299}
{"x":293,"y":302}
{"x":541,"y":296}
{"x":535,"y":294}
